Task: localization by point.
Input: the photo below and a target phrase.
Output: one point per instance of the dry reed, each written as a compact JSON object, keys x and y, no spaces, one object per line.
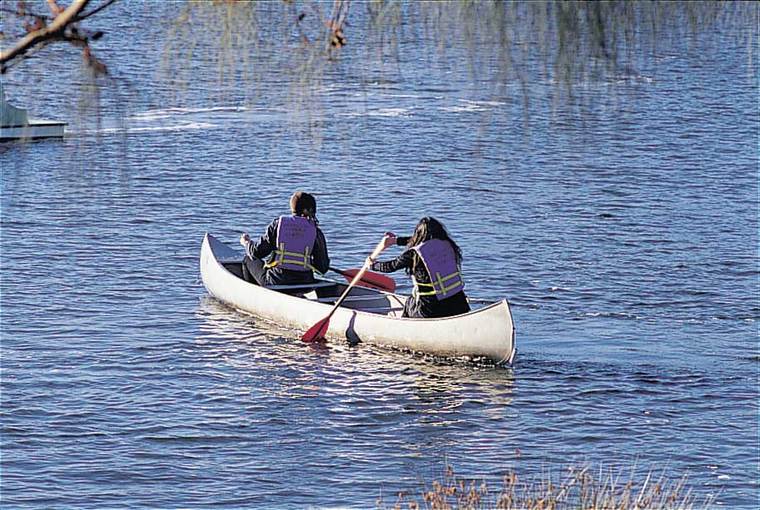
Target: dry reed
{"x":579,"y":488}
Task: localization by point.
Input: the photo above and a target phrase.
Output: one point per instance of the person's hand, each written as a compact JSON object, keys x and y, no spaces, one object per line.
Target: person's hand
{"x":389,"y":240}
{"x":244,"y":239}
{"x":369,"y":261}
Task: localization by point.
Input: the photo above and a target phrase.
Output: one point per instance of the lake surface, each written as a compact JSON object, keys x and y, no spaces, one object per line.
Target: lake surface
{"x":622,"y":226}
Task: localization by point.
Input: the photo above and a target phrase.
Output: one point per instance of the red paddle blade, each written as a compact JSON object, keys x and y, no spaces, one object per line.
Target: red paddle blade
{"x":371,"y":280}
{"x":317,"y":331}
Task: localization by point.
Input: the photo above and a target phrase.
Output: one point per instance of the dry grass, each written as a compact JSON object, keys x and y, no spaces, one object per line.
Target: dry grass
{"x":577,"y":489}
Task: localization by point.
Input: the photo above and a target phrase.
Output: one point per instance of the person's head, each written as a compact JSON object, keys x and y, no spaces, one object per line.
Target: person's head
{"x":303,"y":204}
{"x":430,"y":228}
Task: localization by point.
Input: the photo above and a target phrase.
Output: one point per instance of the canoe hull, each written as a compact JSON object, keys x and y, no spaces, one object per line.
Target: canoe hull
{"x":487,"y":332}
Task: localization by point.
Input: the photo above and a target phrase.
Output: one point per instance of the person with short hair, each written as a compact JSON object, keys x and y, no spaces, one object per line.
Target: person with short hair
{"x":291,"y":248}
{"x":433,"y":260}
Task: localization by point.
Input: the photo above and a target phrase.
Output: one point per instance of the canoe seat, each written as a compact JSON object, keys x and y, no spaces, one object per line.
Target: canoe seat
{"x":349,"y":299}
{"x":298,"y":286}
{"x":381,"y":309}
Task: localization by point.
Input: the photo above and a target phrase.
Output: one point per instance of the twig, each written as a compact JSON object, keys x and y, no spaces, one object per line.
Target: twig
{"x":51,"y":31}
{"x":95,"y":10}
{"x":22,"y":14}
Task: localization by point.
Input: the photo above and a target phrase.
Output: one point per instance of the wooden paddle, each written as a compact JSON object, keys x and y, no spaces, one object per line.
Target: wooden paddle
{"x":369,"y":279}
{"x":318,"y":330}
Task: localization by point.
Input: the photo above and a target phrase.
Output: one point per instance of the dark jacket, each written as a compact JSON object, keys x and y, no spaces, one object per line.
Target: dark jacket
{"x":422,"y":306}
{"x":264,"y":247}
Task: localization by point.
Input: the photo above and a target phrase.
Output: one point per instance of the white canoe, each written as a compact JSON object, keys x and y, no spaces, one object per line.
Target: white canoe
{"x":366,"y":315}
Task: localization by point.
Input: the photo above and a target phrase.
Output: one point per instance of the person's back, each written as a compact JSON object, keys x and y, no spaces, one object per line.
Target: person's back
{"x":293,"y":246}
{"x":441,"y":293}
{"x":433,"y":261}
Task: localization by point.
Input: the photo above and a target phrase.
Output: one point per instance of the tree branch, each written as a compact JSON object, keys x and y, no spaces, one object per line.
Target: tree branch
{"x":51,"y":31}
{"x":95,"y":10}
{"x":21,"y":14}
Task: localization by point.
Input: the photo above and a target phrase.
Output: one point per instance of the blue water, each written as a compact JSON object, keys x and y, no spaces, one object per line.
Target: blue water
{"x":621,"y":223}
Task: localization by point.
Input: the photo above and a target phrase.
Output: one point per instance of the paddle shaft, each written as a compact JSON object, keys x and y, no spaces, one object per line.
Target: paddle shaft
{"x":379,"y":248}
{"x":318,"y":330}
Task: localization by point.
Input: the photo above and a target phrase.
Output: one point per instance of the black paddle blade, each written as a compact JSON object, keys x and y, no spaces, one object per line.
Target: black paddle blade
{"x":317,"y":332}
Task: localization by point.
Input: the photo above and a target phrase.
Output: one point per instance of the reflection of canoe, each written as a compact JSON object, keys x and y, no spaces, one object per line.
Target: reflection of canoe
{"x":366,"y":315}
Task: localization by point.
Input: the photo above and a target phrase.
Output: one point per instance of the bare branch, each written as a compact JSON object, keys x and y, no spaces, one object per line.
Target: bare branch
{"x":54,"y":7}
{"x":51,"y":31}
{"x":29,"y":54}
{"x":95,"y":10}
{"x":22,"y":14}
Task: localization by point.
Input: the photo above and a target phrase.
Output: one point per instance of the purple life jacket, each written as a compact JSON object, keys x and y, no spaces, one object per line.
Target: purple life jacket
{"x":295,"y":242}
{"x":441,"y":263}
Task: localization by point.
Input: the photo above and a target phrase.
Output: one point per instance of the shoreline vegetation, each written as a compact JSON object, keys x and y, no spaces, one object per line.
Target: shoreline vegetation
{"x":578,"y":488}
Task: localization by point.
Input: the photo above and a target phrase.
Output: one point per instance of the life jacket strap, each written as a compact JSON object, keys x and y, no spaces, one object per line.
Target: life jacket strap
{"x":439,"y":287}
{"x":442,"y":287}
{"x":281,"y":256}
{"x":418,"y":288}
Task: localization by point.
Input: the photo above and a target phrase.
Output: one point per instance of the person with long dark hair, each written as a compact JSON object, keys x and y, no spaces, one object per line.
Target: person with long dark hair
{"x":433,"y":260}
{"x":290,"y":250}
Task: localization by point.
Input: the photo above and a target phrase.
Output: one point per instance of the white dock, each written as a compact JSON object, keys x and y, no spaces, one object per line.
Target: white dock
{"x":15,"y":123}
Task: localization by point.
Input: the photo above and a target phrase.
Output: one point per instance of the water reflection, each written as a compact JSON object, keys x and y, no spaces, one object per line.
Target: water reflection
{"x":377,"y":407}
{"x":438,"y":385}
{"x":376,"y":382}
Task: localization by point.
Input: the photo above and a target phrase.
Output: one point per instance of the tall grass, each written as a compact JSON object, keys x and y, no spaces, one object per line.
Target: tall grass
{"x":578,"y":488}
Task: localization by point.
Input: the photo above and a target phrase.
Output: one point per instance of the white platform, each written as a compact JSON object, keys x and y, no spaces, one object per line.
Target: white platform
{"x":33,"y":129}
{"x":15,"y":124}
